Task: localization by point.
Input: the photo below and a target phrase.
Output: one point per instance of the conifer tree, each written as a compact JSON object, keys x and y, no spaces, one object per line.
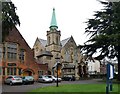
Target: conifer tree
{"x":104,"y":31}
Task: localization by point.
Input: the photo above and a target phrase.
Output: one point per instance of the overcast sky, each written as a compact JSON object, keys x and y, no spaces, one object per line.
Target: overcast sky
{"x":35,"y":18}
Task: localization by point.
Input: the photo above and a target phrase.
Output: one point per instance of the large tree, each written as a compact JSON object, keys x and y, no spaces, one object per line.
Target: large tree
{"x":9,"y":17}
{"x":104,"y":31}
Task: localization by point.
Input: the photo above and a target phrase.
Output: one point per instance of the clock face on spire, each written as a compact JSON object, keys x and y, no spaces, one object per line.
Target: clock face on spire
{"x":53,"y":24}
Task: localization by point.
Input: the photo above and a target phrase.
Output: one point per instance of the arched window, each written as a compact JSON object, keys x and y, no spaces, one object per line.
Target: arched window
{"x":49,"y":40}
{"x":41,"y":50}
{"x":57,"y":40}
{"x":71,"y":56}
{"x":37,"y":48}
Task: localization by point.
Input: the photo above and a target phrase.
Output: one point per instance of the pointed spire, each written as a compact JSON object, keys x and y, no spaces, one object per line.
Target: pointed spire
{"x":53,"y":23}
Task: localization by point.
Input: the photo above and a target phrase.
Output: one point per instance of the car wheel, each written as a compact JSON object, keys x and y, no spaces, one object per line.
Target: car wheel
{"x":32,"y":82}
{"x":5,"y":83}
{"x":24,"y":83}
{"x":11,"y":83}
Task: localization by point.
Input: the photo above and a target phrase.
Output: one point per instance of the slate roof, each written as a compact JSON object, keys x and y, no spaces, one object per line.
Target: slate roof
{"x":44,"y":42}
{"x":63,"y":42}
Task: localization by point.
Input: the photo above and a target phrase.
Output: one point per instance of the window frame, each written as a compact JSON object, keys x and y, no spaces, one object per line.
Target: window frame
{"x":22,"y":55}
{"x":11,"y":51}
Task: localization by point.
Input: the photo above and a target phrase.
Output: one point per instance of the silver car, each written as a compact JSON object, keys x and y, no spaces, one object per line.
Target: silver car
{"x":13,"y":80}
{"x":55,"y":78}
{"x":44,"y":78}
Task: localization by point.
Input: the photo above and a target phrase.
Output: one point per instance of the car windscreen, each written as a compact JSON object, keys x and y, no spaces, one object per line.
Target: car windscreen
{"x":46,"y":76}
{"x":16,"y":77}
{"x":29,"y":77}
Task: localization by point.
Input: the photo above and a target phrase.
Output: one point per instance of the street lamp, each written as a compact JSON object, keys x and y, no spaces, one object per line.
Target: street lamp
{"x":57,"y":64}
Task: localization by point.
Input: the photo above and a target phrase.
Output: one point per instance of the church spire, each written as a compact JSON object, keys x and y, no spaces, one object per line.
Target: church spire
{"x":53,"y":24}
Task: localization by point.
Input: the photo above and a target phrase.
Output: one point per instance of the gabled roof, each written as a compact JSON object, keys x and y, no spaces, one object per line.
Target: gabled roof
{"x":15,"y":36}
{"x":44,"y":42}
{"x":63,"y":42}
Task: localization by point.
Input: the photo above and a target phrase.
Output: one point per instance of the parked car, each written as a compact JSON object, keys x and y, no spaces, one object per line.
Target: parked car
{"x":68,"y":78}
{"x":44,"y":78}
{"x":55,"y":78}
{"x":13,"y":80}
{"x":28,"y":80}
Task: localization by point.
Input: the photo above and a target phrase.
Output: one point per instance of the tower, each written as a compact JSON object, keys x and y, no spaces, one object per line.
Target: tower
{"x":53,"y":40}
{"x":53,"y":36}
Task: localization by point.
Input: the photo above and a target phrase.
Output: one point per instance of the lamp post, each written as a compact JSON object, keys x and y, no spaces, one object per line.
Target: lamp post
{"x":57,"y":62}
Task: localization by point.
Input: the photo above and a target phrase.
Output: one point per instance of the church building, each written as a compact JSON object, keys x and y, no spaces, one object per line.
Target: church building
{"x":54,"y":50}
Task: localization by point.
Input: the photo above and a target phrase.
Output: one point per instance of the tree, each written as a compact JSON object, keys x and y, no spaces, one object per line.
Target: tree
{"x":9,"y":18}
{"x":104,"y":31}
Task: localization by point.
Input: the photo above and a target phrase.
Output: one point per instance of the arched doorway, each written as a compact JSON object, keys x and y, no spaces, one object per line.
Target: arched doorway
{"x":84,"y":71}
{"x":27,"y":72}
{"x":80,"y":71}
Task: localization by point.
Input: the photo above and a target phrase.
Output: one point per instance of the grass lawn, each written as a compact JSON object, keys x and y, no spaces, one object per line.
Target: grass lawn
{"x":76,"y":88}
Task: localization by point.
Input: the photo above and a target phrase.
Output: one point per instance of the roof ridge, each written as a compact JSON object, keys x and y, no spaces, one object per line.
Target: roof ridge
{"x":66,"y":38}
{"x":63,"y":42}
{"x":42,"y":39}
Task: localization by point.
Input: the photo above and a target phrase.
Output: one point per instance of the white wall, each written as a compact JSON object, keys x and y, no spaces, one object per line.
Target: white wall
{"x":93,"y":66}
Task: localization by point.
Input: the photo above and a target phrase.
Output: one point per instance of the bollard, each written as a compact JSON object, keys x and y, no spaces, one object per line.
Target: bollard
{"x":107,"y":90}
{"x":111,"y":86}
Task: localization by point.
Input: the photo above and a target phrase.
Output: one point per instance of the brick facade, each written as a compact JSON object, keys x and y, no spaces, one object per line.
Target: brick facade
{"x":23,"y":62}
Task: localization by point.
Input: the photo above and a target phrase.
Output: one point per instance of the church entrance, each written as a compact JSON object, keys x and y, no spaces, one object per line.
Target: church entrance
{"x":84,"y":71}
{"x":27,"y":73}
{"x":80,"y":71}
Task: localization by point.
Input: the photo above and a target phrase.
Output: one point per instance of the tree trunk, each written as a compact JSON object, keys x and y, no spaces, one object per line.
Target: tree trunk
{"x":118,"y":57}
{"x":118,"y":64}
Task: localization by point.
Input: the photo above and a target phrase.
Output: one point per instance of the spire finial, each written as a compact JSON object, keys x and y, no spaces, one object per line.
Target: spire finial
{"x":53,"y":20}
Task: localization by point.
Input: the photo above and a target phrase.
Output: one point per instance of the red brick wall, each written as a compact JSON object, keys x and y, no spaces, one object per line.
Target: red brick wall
{"x":15,"y":36}
{"x":44,"y":68}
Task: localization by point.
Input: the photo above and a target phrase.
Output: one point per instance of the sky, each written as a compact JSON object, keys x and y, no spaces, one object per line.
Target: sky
{"x":71,"y":15}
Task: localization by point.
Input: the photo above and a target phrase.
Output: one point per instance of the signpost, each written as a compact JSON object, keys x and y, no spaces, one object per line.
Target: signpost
{"x":110,"y":76}
{"x":56,"y":65}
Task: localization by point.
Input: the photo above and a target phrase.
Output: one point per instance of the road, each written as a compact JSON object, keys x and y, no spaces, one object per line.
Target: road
{"x":15,"y":89}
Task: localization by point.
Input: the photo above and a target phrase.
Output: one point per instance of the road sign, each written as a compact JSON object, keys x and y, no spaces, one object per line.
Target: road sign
{"x":110,"y":76}
{"x":110,"y":71}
